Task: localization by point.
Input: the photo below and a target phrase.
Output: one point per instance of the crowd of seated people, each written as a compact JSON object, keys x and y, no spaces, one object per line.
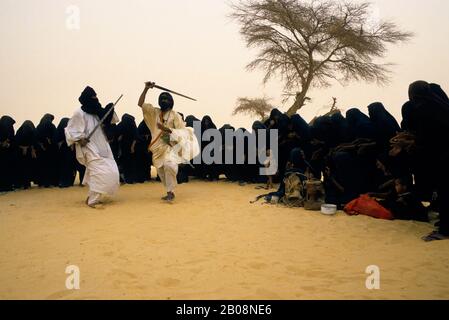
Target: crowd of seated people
{"x":353,"y":154}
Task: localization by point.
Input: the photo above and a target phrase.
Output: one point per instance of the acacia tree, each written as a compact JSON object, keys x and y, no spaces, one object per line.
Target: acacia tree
{"x":310,"y":43}
{"x":259,"y":107}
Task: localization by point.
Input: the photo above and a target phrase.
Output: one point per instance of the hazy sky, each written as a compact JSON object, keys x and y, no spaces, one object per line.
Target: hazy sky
{"x":188,"y":45}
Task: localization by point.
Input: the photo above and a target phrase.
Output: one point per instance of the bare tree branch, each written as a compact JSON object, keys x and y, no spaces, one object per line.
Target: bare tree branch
{"x":308,"y":43}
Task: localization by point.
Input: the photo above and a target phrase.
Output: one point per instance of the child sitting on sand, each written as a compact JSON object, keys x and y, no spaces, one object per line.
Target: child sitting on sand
{"x":403,"y":202}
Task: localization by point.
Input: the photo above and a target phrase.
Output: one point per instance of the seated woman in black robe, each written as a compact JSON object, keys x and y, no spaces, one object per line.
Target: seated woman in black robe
{"x":7,"y":154}
{"x":47,"y":158}
{"x":66,"y":157}
{"x":349,"y":173}
{"x":26,"y":141}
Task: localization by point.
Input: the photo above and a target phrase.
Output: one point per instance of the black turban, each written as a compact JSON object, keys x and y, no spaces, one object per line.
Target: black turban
{"x":90,"y":104}
{"x":166,"y":101}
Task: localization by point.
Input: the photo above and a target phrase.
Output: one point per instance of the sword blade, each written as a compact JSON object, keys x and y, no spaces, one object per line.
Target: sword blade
{"x":104,"y":118}
{"x":174,"y":92}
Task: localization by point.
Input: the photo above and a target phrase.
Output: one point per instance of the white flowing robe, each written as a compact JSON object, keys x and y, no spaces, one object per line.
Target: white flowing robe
{"x":102,"y":174}
{"x":185,"y":144}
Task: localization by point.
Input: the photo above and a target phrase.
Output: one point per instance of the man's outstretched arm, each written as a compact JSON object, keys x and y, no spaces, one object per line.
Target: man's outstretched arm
{"x":148,"y":85}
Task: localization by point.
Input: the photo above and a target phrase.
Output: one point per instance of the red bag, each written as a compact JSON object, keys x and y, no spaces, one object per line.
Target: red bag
{"x":367,"y":206}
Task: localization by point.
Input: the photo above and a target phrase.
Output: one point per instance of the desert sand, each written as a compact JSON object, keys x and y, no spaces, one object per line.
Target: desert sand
{"x":210,"y":244}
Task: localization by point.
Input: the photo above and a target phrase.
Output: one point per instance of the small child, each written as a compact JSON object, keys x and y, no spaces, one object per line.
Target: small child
{"x":403,"y":203}
{"x":269,"y":162}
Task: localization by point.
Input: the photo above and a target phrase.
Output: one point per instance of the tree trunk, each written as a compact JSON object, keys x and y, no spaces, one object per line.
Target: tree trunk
{"x":300,"y":97}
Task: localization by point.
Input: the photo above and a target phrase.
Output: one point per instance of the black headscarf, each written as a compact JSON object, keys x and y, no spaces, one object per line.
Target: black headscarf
{"x":223,"y":130}
{"x":7,"y":128}
{"x":60,"y":133}
{"x":279,"y":121}
{"x":360,"y":125}
{"x":26,"y":135}
{"x":301,"y":127}
{"x":46,"y":130}
{"x":439,"y":91}
{"x":166,"y":101}
{"x":127,"y":127}
{"x":385,"y":124}
{"x":89,"y":102}
{"x":190,"y":120}
{"x":323,"y":130}
{"x":207,"y":123}
{"x":427,"y":115}
{"x":258,"y":125}
{"x":340,"y":125}
{"x":91,"y":105}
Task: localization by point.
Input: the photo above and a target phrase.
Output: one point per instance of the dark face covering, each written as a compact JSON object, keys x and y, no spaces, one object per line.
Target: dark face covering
{"x":166,"y":101}
{"x":91,"y":105}
{"x":89,"y":102}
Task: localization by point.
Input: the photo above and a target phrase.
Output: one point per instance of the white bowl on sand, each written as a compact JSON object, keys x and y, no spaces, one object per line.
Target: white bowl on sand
{"x":329,"y":209}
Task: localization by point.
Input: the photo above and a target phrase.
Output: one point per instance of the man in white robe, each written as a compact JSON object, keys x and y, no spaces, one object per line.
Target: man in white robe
{"x":172,"y":143}
{"x":102,"y":174}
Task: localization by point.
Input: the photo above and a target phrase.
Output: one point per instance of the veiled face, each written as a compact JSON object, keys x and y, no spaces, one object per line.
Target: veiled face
{"x":166,"y":102}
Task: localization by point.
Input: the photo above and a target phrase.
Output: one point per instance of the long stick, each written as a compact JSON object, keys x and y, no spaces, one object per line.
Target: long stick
{"x":171,"y":91}
{"x":104,"y":118}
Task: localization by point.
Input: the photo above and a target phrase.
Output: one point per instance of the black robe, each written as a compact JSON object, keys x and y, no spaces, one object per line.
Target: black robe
{"x":47,"y":158}
{"x":208,"y":171}
{"x":66,"y":157}
{"x":143,"y":156}
{"x":127,"y":141}
{"x":229,"y":170}
{"x":426,"y":115}
{"x":26,"y":141}
{"x":7,"y":154}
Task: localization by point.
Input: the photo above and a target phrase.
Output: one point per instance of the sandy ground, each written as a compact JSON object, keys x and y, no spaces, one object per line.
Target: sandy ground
{"x":210,"y":244}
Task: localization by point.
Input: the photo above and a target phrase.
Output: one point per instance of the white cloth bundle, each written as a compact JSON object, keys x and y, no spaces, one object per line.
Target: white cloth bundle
{"x":185,"y":145}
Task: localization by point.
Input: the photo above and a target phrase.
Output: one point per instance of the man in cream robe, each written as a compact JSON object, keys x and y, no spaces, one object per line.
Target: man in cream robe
{"x":102,"y":174}
{"x":172,"y":143}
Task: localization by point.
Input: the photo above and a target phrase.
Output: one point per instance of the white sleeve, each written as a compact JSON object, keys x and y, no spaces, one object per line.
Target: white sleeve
{"x":75,"y":129}
{"x":179,"y":124}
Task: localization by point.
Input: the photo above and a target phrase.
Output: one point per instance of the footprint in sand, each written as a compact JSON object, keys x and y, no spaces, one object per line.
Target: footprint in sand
{"x":168,"y":282}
